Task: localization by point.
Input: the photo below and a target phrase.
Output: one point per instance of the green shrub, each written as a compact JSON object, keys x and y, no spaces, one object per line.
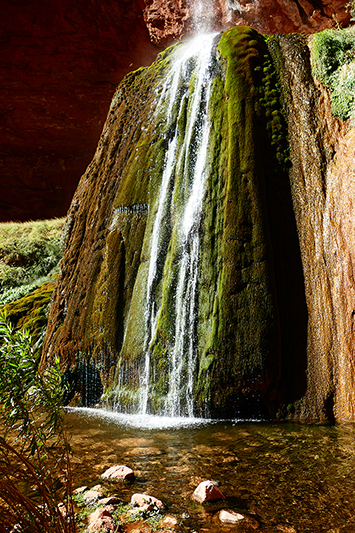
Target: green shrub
{"x":331,"y":49}
{"x":350,"y":8}
{"x":343,"y":93}
{"x":28,"y":251}
{"x":35,"y":474}
{"x":333,"y":63}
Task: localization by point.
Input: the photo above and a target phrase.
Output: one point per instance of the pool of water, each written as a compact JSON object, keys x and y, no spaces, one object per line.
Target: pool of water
{"x":281,"y":474}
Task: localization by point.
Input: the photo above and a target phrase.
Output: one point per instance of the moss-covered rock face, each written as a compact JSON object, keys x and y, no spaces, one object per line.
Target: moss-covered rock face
{"x":29,"y":263}
{"x":29,"y":255}
{"x":31,"y":313}
{"x":131,"y":271}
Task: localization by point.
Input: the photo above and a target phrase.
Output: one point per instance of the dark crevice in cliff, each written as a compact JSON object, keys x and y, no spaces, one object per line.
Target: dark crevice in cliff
{"x":314,"y":135}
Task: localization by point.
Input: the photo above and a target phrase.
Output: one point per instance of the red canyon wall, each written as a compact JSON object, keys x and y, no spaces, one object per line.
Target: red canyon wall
{"x":61,"y":61}
{"x":168,"y":19}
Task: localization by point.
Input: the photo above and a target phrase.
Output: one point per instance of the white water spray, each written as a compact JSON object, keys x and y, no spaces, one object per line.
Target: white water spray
{"x":182,"y":82}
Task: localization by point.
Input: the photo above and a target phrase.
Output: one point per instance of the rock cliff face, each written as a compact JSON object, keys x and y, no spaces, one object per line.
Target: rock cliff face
{"x":177,"y":18}
{"x":248,"y":271}
{"x":322,"y":187}
{"x":60,"y":64}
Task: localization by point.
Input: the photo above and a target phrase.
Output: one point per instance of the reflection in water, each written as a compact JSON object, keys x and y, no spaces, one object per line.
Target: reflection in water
{"x":303,"y":476}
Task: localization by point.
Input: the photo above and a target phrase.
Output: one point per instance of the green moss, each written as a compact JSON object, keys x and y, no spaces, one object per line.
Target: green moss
{"x":29,"y":261}
{"x":31,"y":313}
{"x":236,"y":305}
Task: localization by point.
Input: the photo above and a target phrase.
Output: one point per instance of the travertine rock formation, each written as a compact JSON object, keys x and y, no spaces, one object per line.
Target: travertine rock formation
{"x":250,"y":351}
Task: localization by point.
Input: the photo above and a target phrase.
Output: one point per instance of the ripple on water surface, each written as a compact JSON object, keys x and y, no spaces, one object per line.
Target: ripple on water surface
{"x":282,"y":474}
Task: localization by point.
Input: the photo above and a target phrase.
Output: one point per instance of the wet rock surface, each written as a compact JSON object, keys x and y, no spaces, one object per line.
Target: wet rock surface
{"x":144,"y":500}
{"x":102,"y":520}
{"x":238,"y":519}
{"x":118,"y":473}
{"x":322,"y":155}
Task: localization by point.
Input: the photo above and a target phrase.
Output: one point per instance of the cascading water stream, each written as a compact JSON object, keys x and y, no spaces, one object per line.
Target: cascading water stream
{"x":188,"y":80}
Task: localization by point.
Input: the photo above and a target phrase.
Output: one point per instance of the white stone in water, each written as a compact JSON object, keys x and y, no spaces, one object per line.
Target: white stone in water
{"x":230,"y":517}
{"x":92,"y":495}
{"x":207,"y":491}
{"x":99,"y":488}
{"x":169,"y":521}
{"x":144,"y":499}
{"x":118,"y":472}
{"x":80,"y":490}
{"x":110,"y":500}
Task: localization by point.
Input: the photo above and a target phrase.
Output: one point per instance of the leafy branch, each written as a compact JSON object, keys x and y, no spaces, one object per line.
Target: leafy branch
{"x":35,"y":482}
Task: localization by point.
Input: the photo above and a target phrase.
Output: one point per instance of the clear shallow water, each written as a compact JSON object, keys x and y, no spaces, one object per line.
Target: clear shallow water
{"x":281,"y":474}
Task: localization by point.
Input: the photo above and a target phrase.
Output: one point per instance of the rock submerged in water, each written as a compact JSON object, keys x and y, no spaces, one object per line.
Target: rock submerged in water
{"x":118,"y":473}
{"x":286,"y":529}
{"x":170,"y":522}
{"x":207,"y":491}
{"x":232,"y":517}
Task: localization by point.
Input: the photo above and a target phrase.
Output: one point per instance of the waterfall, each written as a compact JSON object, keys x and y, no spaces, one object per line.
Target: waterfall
{"x":187,"y":83}
{"x":203,"y":15}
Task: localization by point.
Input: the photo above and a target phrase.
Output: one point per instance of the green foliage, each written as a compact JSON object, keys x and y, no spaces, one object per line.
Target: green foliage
{"x":25,"y":395}
{"x":29,"y":260}
{"x":16,"y":293}
{"x":343,"y":95}
{"x":333,"y":63}
{"x":35,"y":483}
{"x":331,"y":49}
{"x":28,"y":251}
{"x":350,"y":8}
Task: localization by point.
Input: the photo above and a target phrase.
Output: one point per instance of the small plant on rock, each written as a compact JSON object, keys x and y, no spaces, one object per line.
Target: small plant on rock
{"x":350,"y":8}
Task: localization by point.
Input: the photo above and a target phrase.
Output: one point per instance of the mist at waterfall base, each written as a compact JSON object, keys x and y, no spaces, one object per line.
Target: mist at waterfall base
{"x":281,"y":474}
